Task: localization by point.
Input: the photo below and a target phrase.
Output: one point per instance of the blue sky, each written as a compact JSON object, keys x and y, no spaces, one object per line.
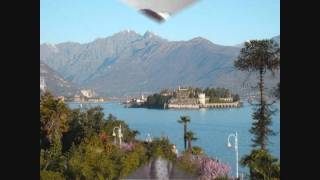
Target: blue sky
{"x":226,"y":22}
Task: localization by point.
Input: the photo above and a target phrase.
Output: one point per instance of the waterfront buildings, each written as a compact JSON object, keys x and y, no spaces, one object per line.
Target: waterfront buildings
{"x":187,"y":98}
{"x":136,"y":101}
{"x":228,"y":99}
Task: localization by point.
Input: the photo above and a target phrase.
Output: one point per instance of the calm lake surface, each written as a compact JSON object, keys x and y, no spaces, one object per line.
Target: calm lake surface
{"x":212,"y":127}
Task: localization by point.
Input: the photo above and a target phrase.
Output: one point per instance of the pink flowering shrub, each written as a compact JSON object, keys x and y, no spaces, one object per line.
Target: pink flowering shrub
{"x":127,"y":146}
{"x":210,"y":168}
{"x":207,"y":168}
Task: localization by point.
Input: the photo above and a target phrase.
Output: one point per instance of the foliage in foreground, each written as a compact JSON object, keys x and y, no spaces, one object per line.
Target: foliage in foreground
{"x":262,"y":165}
{"x":204,"y":167}
{"x":261,"y":56}
{"x":77,"y":144}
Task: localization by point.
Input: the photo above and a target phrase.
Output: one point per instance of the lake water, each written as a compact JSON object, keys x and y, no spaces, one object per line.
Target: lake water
{"x":212,"y":127}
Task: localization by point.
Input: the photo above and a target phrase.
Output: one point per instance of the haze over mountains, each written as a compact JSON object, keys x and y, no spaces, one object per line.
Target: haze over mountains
{"x":128,"y":63}
{"x":55,"y":82}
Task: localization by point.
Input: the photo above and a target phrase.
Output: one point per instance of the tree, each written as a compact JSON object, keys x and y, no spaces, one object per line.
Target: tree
{"x":53,"y":119}
{"x":83,"y":124}
{"x":262,"y":165}
{"x":190,"y":136}
{"x":236,"y":98}
{"x":260,"y":56}
{"x":276,"y":91}
{"x":111,"y":117}
{"x":94,"y":120}
{"x":160,"y":147}
{"x":76,"y":132}
{"x":132,"y":160}
{"x":89,"y":161}
{"x":54,"y":122}
{"x":75,"y":144}
{"x":157,"y":101}
{"x":184,"y":120}
{"x":112,"y":121}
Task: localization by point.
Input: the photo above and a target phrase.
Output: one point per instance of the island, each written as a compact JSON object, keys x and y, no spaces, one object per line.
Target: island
{"x":187,"y":98}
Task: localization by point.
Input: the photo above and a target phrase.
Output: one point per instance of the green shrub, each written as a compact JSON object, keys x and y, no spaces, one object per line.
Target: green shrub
{"x":50,"y":175}
{"x":196,"y":150}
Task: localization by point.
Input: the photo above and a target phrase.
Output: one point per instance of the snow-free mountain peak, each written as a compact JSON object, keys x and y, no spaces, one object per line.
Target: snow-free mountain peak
{"x":129,"y":63}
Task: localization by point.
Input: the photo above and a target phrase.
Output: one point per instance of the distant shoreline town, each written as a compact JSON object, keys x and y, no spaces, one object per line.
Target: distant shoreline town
{"x":187,"y":98}
{"x":180,"y":98}
{"x":84,"y":96}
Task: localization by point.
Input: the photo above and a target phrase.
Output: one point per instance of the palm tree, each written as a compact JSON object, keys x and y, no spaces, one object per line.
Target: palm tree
{"x":184,"y":120}
{"x":260,"y":56}
{"x":190,"y":136}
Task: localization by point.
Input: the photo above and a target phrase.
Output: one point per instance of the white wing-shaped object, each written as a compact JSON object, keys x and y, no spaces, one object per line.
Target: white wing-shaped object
{"x":159,"y":10}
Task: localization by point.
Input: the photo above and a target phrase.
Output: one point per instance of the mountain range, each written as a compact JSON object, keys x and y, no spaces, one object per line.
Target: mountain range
{"x":128,"y":63}
{"x":55,"y":82}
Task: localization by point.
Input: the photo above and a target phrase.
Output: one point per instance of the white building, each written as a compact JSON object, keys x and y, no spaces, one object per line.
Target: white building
{"x":143,"y":98}
{"x":202,"y":98}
